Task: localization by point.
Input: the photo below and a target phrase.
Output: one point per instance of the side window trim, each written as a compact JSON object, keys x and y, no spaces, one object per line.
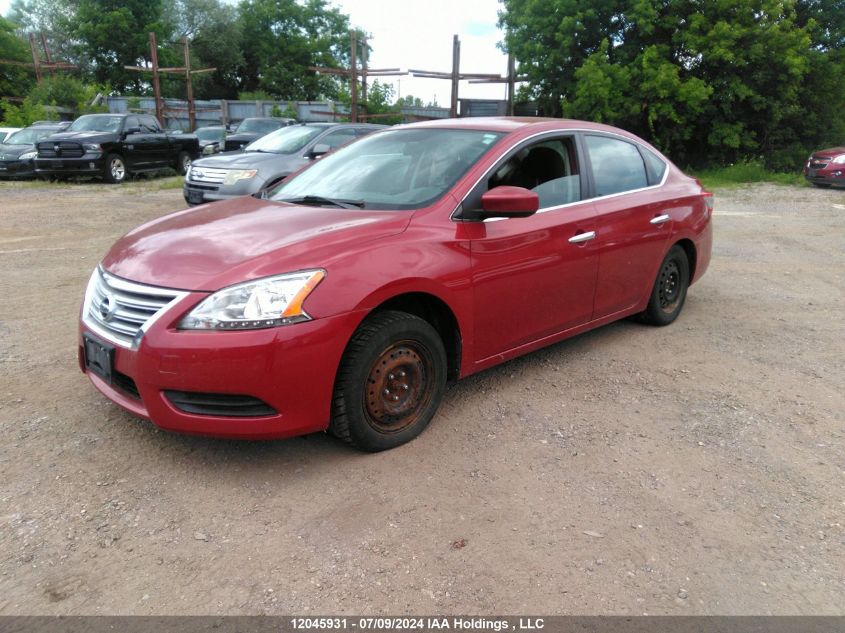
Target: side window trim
{"x":588,"y":192}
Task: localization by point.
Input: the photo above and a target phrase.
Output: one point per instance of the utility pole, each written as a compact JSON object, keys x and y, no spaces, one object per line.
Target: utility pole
{"x":186,"y":70}
{"x":510,"y":79}
{"x":353,"y":73}
{"x":455,"y":76}
{"x":37,"y":65}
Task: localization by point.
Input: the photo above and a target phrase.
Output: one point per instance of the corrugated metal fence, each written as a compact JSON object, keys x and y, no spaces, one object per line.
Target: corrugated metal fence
{"x":221,"y":111}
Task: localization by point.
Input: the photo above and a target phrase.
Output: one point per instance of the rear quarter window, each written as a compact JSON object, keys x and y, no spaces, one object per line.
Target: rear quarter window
{"x":654,"y":166}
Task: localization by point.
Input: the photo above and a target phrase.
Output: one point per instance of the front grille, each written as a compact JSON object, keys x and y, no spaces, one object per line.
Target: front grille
{"x":207,"y":175}
{"x":219,"y":404}
{"x":61,"y":149}
{"x":819,"y":163}
{"x":118,"y":309}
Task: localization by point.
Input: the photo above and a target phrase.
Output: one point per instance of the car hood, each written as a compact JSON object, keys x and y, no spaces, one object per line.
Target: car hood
{"x":10,"y":152}
{"x":240,"y":160}
{"x":82,"y":137}
{"x":216,"y":245}
{"x":245,"y":136}
{"x":830,"y":153}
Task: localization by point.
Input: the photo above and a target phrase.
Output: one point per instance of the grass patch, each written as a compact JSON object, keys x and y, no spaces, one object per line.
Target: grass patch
{"x":172,"y":182}
{"x":744,"y":173}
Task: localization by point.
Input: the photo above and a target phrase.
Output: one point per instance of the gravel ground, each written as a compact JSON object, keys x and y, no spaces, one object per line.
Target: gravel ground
{"x":694,"y":469}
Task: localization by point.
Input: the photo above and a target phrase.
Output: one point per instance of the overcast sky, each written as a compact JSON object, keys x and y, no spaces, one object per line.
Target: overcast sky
{"x":418,"y":34}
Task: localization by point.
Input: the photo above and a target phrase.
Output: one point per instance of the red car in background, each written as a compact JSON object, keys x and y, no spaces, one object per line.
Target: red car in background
{"x":417,"y":255}
{"x":826,"y":168}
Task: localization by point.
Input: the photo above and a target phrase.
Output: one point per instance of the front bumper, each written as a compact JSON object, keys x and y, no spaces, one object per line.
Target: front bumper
{"x":87,"y":165}
{"x":11,"y":169}
{"x":197,"y":193}
{"x":833,"y":174}
{"x":291,"y":368}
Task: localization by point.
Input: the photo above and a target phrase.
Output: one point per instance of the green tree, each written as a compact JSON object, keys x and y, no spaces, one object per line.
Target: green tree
{"x":283,"y":38}
{"x":116,"y":34}
{"x":713,"y":81}
{"x":216,"y":37}
{"x":14,"y":80}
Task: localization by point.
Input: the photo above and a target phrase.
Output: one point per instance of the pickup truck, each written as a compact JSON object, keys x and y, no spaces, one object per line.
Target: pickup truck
{"x":112,"y":146}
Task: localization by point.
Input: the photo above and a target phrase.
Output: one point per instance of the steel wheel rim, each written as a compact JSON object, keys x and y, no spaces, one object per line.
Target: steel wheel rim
{"x":118,"y":171}
{"x":186,"y":164}
{"x":669,"y":286}
{"x":398,"y":388}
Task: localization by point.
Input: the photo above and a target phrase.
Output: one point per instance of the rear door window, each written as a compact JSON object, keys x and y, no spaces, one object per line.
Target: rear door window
{"x":617,"y":165}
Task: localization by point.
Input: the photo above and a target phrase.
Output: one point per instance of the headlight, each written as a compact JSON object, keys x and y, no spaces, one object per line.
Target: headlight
{"x":235,"y":175}
{"x":92,"y":147}
{"x":839,"y":159}
{"x":256,"y":304}
{"x":27,"y":155}
{"x":209,"y":149}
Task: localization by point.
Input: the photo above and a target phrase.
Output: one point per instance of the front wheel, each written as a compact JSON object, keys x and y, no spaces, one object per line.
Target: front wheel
{"x":670,"y":289}
{"x":390,"y":382}
{"x":115,"y":170}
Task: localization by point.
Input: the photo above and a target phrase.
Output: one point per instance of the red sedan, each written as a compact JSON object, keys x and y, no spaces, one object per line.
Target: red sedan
{"x":418,"y":255}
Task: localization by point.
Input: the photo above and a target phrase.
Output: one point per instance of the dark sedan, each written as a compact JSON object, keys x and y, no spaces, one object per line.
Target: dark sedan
{"x":267,"y":161}
{"x":253,"y":129}
{"x":17,"y":154}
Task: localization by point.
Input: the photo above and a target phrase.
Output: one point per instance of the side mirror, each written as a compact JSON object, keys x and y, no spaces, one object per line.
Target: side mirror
{"x":509,"y":202}
{"x":131,"y":130}
{"x":319,"y":150}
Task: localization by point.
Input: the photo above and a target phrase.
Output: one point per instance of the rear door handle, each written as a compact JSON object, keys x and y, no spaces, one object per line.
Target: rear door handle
{"x":660,"y":219}
{"x":582,"y":237}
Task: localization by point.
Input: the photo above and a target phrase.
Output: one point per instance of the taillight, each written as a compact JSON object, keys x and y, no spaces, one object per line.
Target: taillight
{"x":708,"y":201}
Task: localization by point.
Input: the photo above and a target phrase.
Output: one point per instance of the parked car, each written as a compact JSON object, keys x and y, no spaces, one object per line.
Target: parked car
{"x":826,"y":168}
{"x":349,"y":298}
{"x":267,"y":161}
{"x":6,"y":132}
{"x":113,"y":146}
{"x":17,"y":152}
{"x":253,"y":129}
{"x":212,"y":139}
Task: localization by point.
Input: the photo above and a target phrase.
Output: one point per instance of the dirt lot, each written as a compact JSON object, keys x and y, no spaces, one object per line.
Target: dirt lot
{"x":695,"y":469}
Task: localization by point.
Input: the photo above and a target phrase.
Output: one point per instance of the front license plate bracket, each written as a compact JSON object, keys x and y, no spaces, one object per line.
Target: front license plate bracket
{"x":99,"y":357}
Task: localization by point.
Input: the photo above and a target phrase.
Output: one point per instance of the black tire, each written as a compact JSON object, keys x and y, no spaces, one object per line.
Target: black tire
{"x":115,"y":170}
{"x":183,"y":163}
{"x":390,"y":382}
{"x":670,"y":289}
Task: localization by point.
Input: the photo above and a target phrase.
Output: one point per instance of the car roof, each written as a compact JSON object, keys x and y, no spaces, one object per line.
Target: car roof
{"x":510,"y":125}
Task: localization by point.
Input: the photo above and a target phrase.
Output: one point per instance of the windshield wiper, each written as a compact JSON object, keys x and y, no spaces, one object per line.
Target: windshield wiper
{"x":321,"y":201}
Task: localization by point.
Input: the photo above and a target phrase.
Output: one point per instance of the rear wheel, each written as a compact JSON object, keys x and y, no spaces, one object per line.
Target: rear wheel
{"x":183,"y":163}
{"x":390,"y":382}
{"x":670,"y":289}
{"x":115,"y":169}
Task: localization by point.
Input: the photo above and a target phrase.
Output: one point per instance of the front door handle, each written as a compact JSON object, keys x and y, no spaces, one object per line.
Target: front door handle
{"x":660,"y":219}
{"x":582,"y":237}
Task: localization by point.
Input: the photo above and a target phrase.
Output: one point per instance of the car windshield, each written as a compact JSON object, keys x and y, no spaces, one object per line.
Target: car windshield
{"x":396,"y":169}
{"x":96,"y":123}
{"x":258,"y":125}
{"x":210,"y":134}
{"x":30,"y":136}
{"x":285,"y":141}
